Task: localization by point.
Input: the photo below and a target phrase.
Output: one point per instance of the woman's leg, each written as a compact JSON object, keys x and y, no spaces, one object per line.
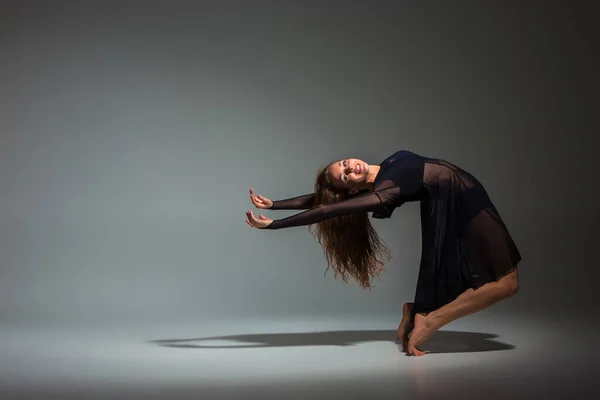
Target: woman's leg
{"x":406,"y":325}
{"x":469,"y":302}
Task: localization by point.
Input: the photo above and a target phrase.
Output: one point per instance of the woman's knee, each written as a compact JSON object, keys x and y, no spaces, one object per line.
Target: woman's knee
{"x":510,"y":283}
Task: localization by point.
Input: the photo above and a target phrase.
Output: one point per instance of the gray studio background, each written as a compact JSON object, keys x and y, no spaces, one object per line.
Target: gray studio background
{"x":130,"y":133}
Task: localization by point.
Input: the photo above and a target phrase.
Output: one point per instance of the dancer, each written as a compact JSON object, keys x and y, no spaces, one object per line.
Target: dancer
{"x":468,"y":260}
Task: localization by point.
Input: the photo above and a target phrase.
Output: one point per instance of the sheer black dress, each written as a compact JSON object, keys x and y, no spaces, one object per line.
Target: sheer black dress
{"x":465,"y":243}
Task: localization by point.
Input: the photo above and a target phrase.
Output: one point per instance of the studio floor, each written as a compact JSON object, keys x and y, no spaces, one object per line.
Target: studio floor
{"x":486,"y":356}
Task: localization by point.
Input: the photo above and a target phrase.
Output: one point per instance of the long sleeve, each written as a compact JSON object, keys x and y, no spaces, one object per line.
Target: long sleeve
{"x":303,"y":202}
{"x":362,"y":203}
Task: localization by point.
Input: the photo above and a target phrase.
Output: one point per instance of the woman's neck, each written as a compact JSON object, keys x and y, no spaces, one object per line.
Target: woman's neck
{"x":371,"y":175}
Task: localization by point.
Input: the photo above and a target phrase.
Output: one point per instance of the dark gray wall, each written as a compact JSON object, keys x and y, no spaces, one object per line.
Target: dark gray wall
{"x":131,"y":132}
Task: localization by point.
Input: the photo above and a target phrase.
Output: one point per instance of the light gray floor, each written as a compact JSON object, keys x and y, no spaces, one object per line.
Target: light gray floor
{"x":485,"y":356}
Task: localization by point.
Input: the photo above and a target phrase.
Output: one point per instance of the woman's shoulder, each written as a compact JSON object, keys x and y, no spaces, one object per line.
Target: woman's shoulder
{"x":400,"y":154}
{"x":398,"y":166}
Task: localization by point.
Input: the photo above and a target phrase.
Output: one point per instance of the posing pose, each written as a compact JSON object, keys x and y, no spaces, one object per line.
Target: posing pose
{"x":468,"y":261}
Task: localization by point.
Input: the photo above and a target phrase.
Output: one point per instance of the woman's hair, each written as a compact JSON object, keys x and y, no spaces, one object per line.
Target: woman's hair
{"x":350,"y":243}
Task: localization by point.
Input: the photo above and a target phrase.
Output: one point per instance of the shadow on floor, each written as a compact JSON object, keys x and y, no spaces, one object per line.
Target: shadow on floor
{"x":440,"y":342}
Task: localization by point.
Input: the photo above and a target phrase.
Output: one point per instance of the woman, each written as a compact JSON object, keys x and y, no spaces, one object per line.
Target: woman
{"x":468,"y":261}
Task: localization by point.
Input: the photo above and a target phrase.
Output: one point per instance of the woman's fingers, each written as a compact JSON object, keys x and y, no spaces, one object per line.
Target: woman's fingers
{"x":252,"y":218}
{"x":260,"y":222}
{"x":258,"y":201}
{"x":267,"y":202}
{"x":252,"y":197}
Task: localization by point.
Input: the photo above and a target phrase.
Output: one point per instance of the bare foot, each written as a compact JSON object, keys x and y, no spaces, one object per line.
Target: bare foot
{"x":424,"y":328}
{"x":406,"y":326}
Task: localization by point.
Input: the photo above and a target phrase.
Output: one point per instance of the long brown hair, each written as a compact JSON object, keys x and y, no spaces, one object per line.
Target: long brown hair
{"x":351,"y":245}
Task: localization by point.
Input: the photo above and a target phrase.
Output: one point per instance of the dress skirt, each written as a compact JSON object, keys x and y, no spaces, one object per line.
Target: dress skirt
{"x":465,"y":243}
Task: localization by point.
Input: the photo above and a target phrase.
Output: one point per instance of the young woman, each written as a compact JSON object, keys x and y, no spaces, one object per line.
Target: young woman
{"x":468,"y":261}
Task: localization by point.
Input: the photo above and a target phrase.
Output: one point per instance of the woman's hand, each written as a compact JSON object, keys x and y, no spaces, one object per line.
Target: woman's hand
{"x":260,"y":222}
{"x":260,"y":201}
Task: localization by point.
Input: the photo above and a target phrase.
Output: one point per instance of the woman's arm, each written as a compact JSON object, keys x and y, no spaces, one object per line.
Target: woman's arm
{"x":359,"y":204}
{"x":302,"y":202}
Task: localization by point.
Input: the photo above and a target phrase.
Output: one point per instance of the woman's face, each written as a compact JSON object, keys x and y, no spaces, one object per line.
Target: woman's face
{"x":348,"y":174}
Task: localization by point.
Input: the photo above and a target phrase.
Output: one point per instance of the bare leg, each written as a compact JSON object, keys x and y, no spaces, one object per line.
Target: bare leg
{"x":406,"y":326}
{"x":469,"y":302}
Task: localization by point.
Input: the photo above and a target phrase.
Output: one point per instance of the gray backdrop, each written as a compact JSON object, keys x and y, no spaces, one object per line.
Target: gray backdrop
{"x":131,"y":132}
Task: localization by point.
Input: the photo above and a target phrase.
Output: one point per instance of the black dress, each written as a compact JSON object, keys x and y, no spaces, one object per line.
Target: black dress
{"x":465,"y":243}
